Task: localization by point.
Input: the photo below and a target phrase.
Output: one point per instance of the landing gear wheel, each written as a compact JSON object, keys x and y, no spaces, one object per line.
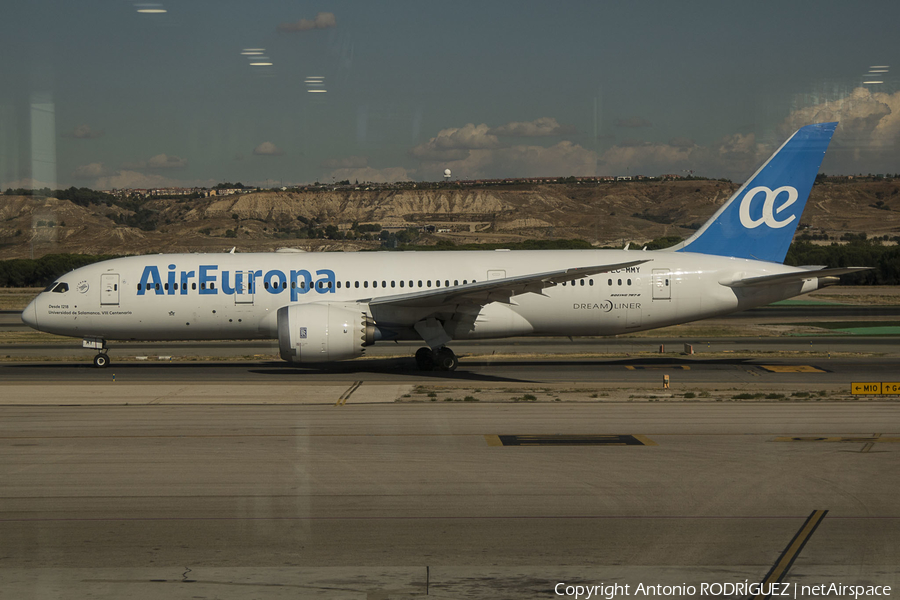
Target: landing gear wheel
{"x":446,"y":360}
{"x":425,"y":359}
{"x":101,"y":361}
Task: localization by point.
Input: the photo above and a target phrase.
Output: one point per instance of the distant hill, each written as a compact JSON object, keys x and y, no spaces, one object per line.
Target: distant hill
{"x":604,"y":214}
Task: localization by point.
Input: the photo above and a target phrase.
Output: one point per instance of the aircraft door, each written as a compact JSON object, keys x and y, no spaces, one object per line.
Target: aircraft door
{"x":109,"y":289}
{"x":243,"y":291}
{"x":662,"y":284}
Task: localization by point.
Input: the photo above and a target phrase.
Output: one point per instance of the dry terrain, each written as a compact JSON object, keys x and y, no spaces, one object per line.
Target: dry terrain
{"x":605,"y":214}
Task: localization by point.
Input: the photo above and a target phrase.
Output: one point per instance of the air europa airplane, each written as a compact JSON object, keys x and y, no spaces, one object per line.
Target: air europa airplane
{"x":331,"y":306}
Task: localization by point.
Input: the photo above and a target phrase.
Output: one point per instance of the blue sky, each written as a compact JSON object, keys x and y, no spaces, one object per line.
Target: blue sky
{"x":99,"y":94}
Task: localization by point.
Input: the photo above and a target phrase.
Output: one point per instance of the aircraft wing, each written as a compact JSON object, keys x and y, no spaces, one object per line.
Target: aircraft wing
{"x":788,"y":277}
{"x":493,"y":290}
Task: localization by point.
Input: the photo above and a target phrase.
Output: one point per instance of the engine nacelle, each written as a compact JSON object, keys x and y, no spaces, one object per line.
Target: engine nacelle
{"x":322,"y":332}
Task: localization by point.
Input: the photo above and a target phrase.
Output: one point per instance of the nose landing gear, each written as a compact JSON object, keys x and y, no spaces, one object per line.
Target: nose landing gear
{"x":101,"y":361}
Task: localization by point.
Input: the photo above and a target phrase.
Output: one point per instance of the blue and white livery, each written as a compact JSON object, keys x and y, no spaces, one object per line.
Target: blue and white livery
{"x":331,"y":306}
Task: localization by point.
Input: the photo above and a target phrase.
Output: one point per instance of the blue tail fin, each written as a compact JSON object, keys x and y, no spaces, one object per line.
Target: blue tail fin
{"x":760,"y":219}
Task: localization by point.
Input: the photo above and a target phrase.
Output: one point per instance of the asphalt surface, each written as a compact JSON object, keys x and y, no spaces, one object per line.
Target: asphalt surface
{"x":686,"y":373}
{"x":247,"y":477}
{"x":403,"y":500}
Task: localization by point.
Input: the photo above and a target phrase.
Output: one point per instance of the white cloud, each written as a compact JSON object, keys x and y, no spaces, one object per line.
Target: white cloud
{"x":863,"y":114}
{"x":644,"y":159}
{"x":474,"y":152}
{"x":160,"y":161}
{"x":349,"y":162}
{"x":323,"y":20}
{"x":682,"y":142}
{"x":134,"y":179}
{"x":562,"y":159}
{"x":544,"y":126}
{"x":89,"y":171}
{"x":734,"y":156}
{"x":361,"y":174}
{"x":455,"y":143}
{"x":633,"y":123}
{"x":867,"y":138}
{"x":27,"y":183}
{"x":268,"y":149}
{"x":84,"y":132}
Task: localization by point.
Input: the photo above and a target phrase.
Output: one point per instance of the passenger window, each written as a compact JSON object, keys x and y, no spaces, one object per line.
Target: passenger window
{"x":176,"y":287}
{"x":582,"y":282}
{"x":365,"y":284}
{"x":393,"y":283}
{"x":609,"y":282}
{"x":339,"y":285}
{"x":384,"y":284}
{"x":266,"y":284}
{"x":629,"y":282}
{"x":194,"y":285}
{"x":139,"y":288}
{"x":401,"y":283}
{"x":202,"y":286}
{"x":410,"y":283}
{"x":620,"y":282}
{"x":446,"y":283}
{"x":293,"y":285}
{"x":420,"y":283}
{"x":166,"y":287}
{"x":374,"y":284}
{"x":590,"y":281}
{"x":302,"y":285}
{"x":429,"y":283}
{"x":116,"y":287}
{"x":465,"y":281}
{"x":456,"y":282}
{"x":155,"y":286}
{"x":356,"y":284}
{"x":284,"y":285}
{"x":437,"y":283}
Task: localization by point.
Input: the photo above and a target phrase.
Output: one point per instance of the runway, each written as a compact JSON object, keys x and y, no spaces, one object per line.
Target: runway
{"x":537,"y":462}
{"x":396,"y":500}
{"x":717,"y":371}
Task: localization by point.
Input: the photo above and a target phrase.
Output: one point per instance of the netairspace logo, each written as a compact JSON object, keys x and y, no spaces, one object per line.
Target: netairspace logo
{"x":768,"y":207}
{"x":741,"y":589}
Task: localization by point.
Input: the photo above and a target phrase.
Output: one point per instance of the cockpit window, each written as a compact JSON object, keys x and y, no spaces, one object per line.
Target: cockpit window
{"x":51,"y":286}
{"x":60,"y":288}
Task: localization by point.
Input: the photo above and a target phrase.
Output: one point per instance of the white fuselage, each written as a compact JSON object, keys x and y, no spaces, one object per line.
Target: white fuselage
{"x":236,"y":296}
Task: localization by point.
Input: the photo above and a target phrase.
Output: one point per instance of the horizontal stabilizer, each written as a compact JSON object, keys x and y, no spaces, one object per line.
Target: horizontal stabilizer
{"x":789,"y":277}
{"x":495,"y":290}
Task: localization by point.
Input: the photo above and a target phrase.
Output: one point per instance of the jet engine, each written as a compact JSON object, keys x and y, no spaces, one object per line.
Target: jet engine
{"x":317,"y":332}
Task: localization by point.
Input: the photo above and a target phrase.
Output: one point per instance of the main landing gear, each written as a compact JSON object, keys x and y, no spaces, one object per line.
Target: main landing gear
{"x":442,"y":359}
